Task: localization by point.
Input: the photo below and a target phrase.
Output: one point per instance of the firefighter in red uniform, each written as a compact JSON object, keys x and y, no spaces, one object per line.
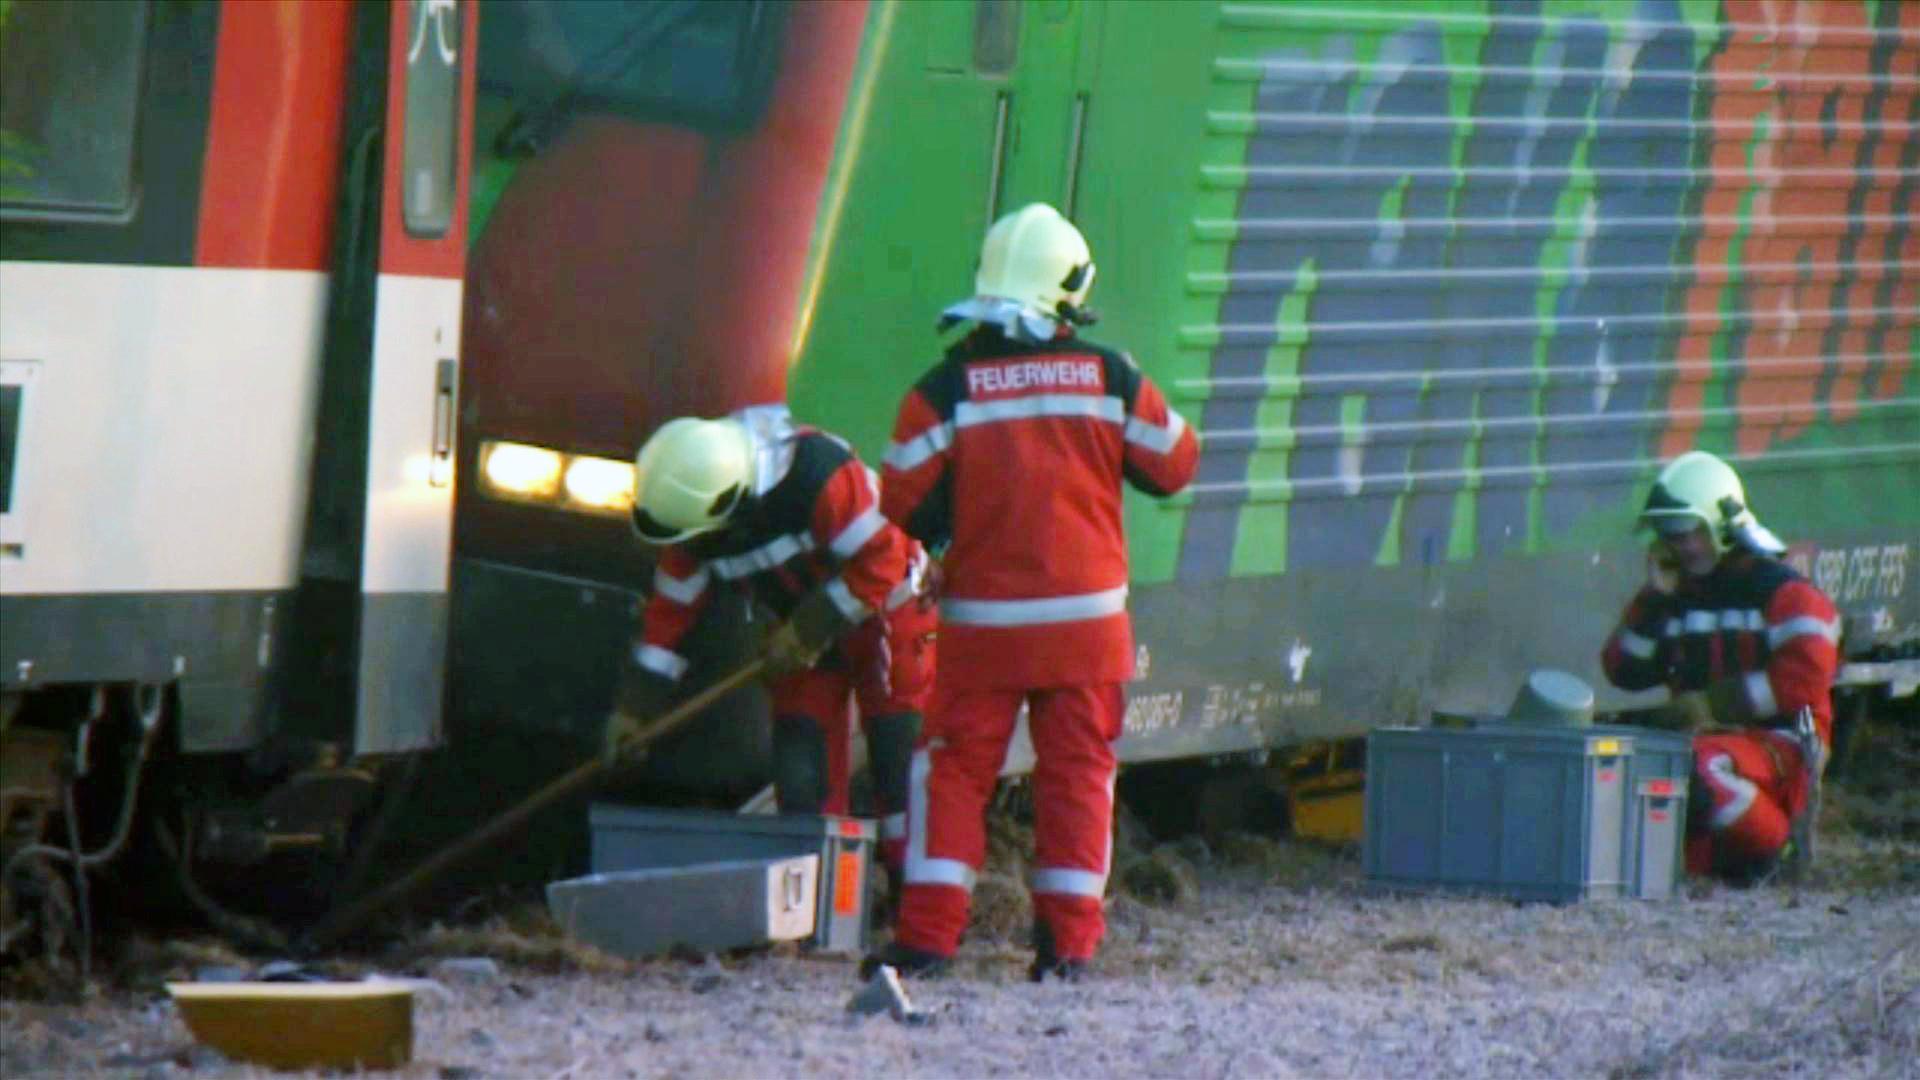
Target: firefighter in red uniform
{"x":1745,"y":644}
{"x":1012,"y":451}
{"x":793,"y":515}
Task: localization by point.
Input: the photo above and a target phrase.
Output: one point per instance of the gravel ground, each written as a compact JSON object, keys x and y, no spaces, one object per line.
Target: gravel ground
{"x":1278,"y":964}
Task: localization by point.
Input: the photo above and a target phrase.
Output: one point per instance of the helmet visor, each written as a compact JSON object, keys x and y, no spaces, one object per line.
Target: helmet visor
{"x":1672,"y":523}
{"x":655,"y":531}
{"x":1668,"y":514}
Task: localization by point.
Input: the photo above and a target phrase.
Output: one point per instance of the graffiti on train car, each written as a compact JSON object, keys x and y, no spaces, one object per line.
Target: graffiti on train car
{"x":1484,"y":266}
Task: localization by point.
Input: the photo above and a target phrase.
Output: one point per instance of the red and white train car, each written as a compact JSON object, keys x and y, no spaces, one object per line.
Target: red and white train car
{"x":232,"y":240}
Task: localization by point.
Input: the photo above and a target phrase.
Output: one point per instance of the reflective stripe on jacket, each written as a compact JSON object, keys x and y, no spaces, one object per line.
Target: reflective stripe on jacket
{"x":813,"y":520}
{"x":1014,"y":454}
{"x":1753,"y":619}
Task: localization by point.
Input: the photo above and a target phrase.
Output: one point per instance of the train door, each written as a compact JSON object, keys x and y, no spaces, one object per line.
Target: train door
{"x":372,"y":605}
{"x":408,"y":529}
{"x":1056,"y":45}
{"x":921,"y":166}
{"x":963,"y":112}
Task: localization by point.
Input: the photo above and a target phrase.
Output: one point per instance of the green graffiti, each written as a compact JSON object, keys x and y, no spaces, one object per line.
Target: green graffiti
{"x":1709,"y":27}
{"x":1463,"y":56}
{"x":1260,"y":544}
{"x":1393,"y":203}
{"x":1462,"y":52}
{"x":1463,"y":537}
{"x":1463,"y":26}
{"x":1393,"y":209}
{"x":1574,"y":214}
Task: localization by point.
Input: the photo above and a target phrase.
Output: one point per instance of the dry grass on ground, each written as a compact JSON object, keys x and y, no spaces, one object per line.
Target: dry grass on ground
{"x":1250,"y":958}
{"x":1280,"y":965}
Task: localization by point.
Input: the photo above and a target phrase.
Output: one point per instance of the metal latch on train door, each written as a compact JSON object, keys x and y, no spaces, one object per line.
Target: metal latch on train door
{"x":446,"y":385}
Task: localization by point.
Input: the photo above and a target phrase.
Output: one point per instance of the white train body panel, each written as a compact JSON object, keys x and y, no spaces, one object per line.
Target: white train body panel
{"x":167,"y":426}
{"x":409,"y":536}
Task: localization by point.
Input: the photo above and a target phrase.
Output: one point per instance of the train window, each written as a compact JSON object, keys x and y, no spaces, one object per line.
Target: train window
{"x":16,"y":377}
{"x":703,"y":63}
{"x":427,"y":165}
{"x":69,"y":92}
{"x":996,"y":36}
{"x":11,"y":398}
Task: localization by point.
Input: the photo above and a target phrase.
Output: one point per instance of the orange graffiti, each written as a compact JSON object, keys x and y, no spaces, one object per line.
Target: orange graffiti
{"x":1788,"y":120}
{"x":1820,"y":53}
{"x":1877,"y":259}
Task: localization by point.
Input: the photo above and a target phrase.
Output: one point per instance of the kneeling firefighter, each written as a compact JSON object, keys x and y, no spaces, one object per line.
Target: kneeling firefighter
{"x":792,"y":515}
{"x":1749,"y":649}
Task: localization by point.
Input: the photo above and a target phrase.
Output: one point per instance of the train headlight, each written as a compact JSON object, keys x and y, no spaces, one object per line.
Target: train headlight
{"x":519,"y":471}
{"x":602,"y":485}
{"x":583,"y":483}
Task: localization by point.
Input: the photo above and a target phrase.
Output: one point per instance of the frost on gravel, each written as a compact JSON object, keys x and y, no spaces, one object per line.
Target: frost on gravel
{"x":1253,"y":977}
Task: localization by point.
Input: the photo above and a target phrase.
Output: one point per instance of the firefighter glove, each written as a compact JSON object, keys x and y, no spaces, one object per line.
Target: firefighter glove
{"x":797,"y":644}
{"x":638,"y":697}
{"x":788,"y":651}
{"x":933,"y":583}
{"x":1689,"y":711}
{"x":622,"y":727}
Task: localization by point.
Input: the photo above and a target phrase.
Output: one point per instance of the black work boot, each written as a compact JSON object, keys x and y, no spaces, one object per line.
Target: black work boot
{"x":896,"y":895}
{"x":890,"y":740}
{"x":1754,"y":873}
{"x":799,"y":765}
{"x":907,"y":961}
{"x":1071,"y":971}
{"x":1047,"y":962}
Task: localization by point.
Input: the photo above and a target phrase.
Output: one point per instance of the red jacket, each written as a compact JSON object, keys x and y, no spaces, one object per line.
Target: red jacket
{"x":1013,"y":454}
{"x":1754,"y":620}
{"x":812,"y":520}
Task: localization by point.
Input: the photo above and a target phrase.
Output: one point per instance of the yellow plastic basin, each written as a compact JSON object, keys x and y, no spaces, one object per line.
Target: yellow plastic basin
{"x":302,"y":1025}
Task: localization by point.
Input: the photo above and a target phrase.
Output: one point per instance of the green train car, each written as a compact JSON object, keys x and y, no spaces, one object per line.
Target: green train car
{"x":1439,"y":283}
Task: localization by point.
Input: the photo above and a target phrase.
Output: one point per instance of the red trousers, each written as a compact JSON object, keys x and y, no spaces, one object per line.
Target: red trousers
{"x":1756,"y":783}
{"x":887,"y":671}
{"x":962,"y":749}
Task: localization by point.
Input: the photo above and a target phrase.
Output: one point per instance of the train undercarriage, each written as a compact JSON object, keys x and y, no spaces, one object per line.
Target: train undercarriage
{"x":102,"y":818}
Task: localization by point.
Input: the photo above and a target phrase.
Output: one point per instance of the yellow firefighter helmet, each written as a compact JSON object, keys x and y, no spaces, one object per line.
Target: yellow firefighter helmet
{"x":689,"y":477}
{"x":1698,"y":489}
{"x":1036,"y":258}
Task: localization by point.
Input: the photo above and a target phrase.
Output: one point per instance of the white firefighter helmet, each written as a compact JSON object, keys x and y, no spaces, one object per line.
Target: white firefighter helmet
{"x":1698,"y":489}
{"x":1037,"y":259}
{"x":689,"y":477}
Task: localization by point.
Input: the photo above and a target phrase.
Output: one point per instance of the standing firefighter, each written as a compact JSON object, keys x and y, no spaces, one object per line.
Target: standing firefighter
{"x":1012,"y":451}
{"x":1745,"y":644}
{"x":792,"y":514}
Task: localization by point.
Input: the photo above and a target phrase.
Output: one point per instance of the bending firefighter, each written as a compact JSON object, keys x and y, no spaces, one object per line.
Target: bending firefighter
{"x":1748,"y":648}
{"x":1012,"y":451}
{"x":791,"y":514}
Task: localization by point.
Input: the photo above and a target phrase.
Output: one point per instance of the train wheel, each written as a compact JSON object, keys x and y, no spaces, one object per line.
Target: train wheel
{"x":39,"y":920}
